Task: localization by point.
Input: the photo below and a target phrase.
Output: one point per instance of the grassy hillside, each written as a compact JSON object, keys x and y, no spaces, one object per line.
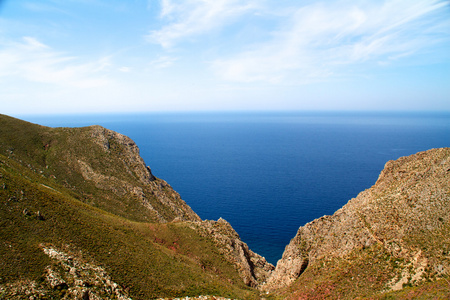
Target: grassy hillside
{"x":363,"y":274}
{"x":100,"y":167}
{"x":46,"y":202}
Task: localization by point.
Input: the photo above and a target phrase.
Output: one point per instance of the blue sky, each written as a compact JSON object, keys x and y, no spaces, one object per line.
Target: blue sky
{"x":78,"y":56}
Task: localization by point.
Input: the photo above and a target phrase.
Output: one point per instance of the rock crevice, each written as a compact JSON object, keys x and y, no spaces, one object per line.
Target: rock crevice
{"x":253,"y":268}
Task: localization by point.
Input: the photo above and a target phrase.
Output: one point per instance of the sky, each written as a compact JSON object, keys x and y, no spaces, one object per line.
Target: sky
{"x":115,"y":56}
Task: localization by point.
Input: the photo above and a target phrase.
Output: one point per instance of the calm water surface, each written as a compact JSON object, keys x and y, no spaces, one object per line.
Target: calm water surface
{"x":269,"y":173}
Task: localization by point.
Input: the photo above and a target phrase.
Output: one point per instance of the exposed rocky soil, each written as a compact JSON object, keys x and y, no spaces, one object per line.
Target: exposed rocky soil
{"x":407,"y":212}
{"x":148,"y":188}
{"x":69,"y":274}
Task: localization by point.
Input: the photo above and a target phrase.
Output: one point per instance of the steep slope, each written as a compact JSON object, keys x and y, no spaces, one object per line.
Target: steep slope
{"x":393,"y":235}
{"x":103,"y":168}
{"x":253,"y":268}
{"x":82,"y":216}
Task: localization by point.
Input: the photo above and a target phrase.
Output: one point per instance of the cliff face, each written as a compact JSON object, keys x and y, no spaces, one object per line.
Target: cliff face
{"x":405,"y":214}
{"x":101,"y":166}
{"x":159,"y":198}
{"x":82,"y":215}
{"x":252,"y":267}
{"x":138,"y":183}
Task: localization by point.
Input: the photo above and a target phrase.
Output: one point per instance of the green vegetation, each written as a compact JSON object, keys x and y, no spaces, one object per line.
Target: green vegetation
{"x":438,"y":289}
{"x":363,"y":274}
{"x":64,"y":155}
{"x":45,"y":200}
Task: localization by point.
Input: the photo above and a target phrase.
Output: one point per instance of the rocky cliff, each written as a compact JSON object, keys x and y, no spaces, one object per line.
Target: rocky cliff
{"x":253,"y":268}
{"x":82,"y":216}
{"x":405,"y":216}
{"x":145,"y":188}
{"x":101,"y":166}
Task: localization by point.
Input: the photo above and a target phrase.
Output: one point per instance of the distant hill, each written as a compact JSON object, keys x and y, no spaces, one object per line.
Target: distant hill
{"x":83,"y":217}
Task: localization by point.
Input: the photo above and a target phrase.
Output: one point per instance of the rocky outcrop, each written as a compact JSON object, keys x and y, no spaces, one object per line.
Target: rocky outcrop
{"x":134,"y":163}
{"x":68,"y":276}
{"x":407,"y":212}
{"x":253,"y":268}
{"x":162,"y":191}
{"x":154,"y":194}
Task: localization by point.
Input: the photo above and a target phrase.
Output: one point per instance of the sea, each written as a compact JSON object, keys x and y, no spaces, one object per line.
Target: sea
{"x":268,"y":173}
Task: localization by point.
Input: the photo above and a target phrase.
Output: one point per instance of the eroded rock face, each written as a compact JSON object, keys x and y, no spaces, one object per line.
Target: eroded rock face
{"x":146,"y":189}
{"x":172,"y":200}
{"x":70,"y":274}
{"x":410,"y":202}
{"x":134,"y":162}
{"x":253,"y":268}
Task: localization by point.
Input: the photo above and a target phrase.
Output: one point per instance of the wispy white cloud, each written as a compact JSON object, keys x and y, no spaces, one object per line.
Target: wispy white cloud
{"x":316,"y":41}
{"x":163,"y":62}
{"x":125,"y":69}
{"x":42,"y":7}
{"x":33,"y":44}
{"x":190,"y":18}
{"x":34,"y":61}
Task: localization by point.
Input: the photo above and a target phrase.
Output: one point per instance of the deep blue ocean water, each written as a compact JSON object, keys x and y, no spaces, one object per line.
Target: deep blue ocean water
{"x":269,"y":173}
